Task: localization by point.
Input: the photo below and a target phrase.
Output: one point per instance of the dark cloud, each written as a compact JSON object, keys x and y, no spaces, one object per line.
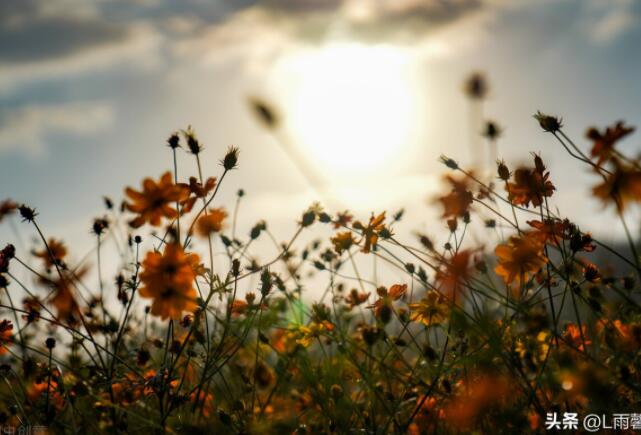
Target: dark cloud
{"x":32,"y":30}
{"x":45,"y":39}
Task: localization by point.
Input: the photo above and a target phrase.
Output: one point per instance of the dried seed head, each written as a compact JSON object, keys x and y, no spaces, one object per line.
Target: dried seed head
{"x":28,"y":214}
{"x":538,"y":164}
{"x":548,"y":123}
{"x":503,"y":171}
{"x":108,"y":202}
{"x":192,"y":141}
{"x":99,"y":226}
{"x":476,"y":86}
{"x":492,"y":130}
{"x":265,"y":114}
{"x":450,"y":163}
{"x":231,"y":158}
{"x":173,"y":141}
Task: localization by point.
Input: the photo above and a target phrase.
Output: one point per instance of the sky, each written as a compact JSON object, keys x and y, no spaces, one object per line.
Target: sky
{"x":368,"y":94}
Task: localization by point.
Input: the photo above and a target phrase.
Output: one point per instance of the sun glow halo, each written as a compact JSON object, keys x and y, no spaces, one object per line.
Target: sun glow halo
{"x":351,"y":106}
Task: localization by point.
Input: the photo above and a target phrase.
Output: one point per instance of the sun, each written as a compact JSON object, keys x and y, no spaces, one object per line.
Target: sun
{"x":350,"y":106}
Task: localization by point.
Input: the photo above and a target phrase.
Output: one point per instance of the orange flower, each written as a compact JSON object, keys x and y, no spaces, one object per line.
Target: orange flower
{"x":477,"y":399}
{"x":573,"y":336}
{"x":168,"y":279}
{"x":342,"y":241}
{"x":58,"y":253}
{"x":63,"y":299}
{"x":39,"y":388}
{"x":342,"y":219}
{"x":603,"y":143}
{"x":519,"y":258}
{"x":156,"y":200}
{"x":371,"y":232}
{"x":623,"y":185}
{"x":455,"y":272}
{"x":206,"y":400}
{"x":355,"y":298}
{"x":530,"y":185}
{"x":212,"y":222}
{"x":197,"y":190}
{"x":386,"y":297}
{"x":456,"y":203}
{"x":7,"y":207}
{"x":239,"y":307}
{"x":6,"y":338}
{"x":551,"y":231}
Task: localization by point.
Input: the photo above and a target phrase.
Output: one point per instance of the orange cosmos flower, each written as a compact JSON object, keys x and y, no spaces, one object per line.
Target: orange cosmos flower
{"x":6,"y":338}
{"x":355,"y":298}
{"x":621,"y":186}
{"x":239,"y":307}
{"x":168,"y":279}
{"x":7,"y":207}
{"x":455,"y":272}
{"x":482,"y":395}
{"x":456,"y":203}
{"x":371,"y":232}
{"x":603,"y":143}
{"x":156,"y":200}
{"x":520,"y":257}
{"x":197,"y":190}
{"x":63,"y":298}
{"x":552,"y":231}
{"x":41,"y":384}
{"x":212,"y":222}
{"x":342,"y":219}
{"x":530,"y":185}
{"x":573,"y":336}
{"x":58,"y":253}
{"x":386,"y":297}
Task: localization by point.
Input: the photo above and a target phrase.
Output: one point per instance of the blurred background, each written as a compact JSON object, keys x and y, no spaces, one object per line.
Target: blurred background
{"x":366,"y":96}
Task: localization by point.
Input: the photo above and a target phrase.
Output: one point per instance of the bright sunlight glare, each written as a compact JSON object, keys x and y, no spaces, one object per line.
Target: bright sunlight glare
{"x":351,"y":106}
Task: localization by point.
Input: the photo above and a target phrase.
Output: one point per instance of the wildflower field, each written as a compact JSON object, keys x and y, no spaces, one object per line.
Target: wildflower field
{"x":478,"y":337}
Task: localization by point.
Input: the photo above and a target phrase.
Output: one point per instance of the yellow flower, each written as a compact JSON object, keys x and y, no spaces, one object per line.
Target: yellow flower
{"x":313,"y":331}
{"x":431,"y":310}
{"x":342,"y":241}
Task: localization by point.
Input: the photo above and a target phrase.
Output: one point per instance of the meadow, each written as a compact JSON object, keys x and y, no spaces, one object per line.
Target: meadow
{"x":507,"y":336}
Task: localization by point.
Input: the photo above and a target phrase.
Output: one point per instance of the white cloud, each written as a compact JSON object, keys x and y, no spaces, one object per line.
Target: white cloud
{"x":26,"y":129}
{"x":606,"y":21}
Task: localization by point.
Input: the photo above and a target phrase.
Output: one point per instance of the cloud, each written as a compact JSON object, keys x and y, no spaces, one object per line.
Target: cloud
{"x":258,"y":33}
{"x":28,"y":128}
{"x":31,"y":32}
{"x":606,"y":21}
{"x":40,"y":39}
